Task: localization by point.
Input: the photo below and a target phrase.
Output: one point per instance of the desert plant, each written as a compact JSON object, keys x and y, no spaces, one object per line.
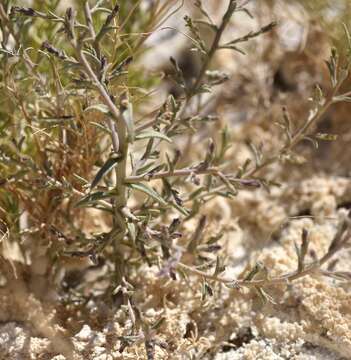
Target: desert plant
{"x":71,"y":140}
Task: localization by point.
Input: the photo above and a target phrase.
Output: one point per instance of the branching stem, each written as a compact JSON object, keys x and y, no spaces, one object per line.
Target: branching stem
{"x":308,"y":269}
{"x":182,"y":172}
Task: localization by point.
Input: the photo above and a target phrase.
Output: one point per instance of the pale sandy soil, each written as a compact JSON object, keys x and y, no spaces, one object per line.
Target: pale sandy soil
{"x":311,"y":317}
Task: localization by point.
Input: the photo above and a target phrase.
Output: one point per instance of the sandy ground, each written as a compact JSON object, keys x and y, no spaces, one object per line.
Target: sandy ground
{"x":310,"y":318}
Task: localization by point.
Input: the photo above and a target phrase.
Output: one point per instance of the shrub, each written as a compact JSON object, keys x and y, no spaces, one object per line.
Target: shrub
{"x":75,"y":137}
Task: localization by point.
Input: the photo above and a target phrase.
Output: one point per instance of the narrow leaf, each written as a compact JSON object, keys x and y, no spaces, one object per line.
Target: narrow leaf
{"x":98,"y":195}
{"x":152,"y":134}
{"x":106,"y":168}
{"x":253,"y":272}
{"x":98,"y":107}
{"x":264,"y":296}
{"x":181,"y":209}
{"x":149,"y":191}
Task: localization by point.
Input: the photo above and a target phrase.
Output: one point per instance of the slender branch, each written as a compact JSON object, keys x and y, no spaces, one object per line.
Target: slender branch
{"x":300,"y":134}
{"x":30,"y":65}
{"x":245,"y":179}
{"x":187,"y":172}
{"x":167,"y":174}
{"x":297,"y":137}
{"x":283,"y":279}
{"x":214,"y":47}
{"x":89,"y":19}
{"x":8,"y":23}
{"x":344,"y":95}
{"x":341,"y":240}
{"x":146,"y":125}
{"x":112,"y":107}
{"x":119,"y":135}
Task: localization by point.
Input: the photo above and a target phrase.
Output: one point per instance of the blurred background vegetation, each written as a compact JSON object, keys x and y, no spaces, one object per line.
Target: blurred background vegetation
{"x":330,"y":15}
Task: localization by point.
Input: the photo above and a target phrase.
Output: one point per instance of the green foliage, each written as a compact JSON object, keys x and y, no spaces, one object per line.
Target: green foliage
{"x":70,"y":140}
